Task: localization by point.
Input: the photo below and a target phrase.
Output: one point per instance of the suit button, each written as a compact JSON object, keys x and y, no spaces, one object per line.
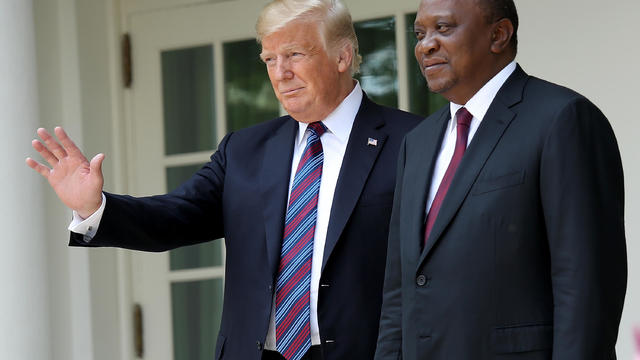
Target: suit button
{"x":259,"y":345}
{"x":421,"y":280}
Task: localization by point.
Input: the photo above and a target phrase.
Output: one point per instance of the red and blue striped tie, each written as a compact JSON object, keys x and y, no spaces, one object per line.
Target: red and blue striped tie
{"x":293,"y":329}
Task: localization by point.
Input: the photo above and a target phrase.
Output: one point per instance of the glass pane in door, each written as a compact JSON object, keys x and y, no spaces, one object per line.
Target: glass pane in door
{"x":421,"y":100}
{"x":196,"y":318}
{"x":194,"y":256}
{"x":249,"y":96}
{"x":188,"y":100}
{"x":378,"y":72}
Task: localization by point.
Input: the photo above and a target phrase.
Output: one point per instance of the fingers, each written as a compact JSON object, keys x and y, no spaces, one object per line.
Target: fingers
{"x":44,"y":152}
{"x":43,"y":170}
{"x":52,"y":145}
{"x":68,"y":145}
{"x":95,"y":165}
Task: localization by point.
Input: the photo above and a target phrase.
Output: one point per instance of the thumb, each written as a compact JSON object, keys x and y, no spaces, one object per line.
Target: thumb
{"x":95,"y":165}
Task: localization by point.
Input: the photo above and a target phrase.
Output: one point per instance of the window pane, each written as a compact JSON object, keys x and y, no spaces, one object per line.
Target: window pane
{"x":176,"y":175}
{"x":249,"y":96}
{"x":188,"y":100}
{"x":194,"y":256}
{"x":421,"y":100}
{"x":196,"y":309}
{"x":378,"y":72}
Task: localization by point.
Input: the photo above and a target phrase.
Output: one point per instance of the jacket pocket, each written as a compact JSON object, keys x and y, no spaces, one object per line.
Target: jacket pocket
{"x":513,"y":339}
{"x":220,"y":346}
{"x":499,"y":182}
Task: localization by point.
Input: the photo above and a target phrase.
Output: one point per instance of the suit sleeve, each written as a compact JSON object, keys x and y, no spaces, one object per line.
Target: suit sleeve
{"x":582,"y":193}
{"x":389,"y":345}
{"x":188,"y":215}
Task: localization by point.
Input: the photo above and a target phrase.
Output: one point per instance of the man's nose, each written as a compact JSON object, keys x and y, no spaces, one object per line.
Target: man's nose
{"x":283,"y":69}
{"x":428,"y":44}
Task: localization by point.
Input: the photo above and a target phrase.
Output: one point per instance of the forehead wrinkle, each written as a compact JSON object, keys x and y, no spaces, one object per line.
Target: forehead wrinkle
{"x":437,"y":13}
{"x":297,"y":41}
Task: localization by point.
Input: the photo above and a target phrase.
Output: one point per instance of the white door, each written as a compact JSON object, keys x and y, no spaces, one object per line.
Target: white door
{"x":197,"y":76}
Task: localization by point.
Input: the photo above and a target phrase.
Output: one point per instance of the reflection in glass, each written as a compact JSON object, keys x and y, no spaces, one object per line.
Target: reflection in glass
{"x":421,"y":100}
{"x":196,"y":316}
{"x":378,"y":72}
{"x":194,"y":256}
{"x":188,"y":100}
{"x":249,"y":96}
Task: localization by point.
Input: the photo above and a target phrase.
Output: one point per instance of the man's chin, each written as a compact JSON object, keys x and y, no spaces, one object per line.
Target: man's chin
{"x":439,"y":86}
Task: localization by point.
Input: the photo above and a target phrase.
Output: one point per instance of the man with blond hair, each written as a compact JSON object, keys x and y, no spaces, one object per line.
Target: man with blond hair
{"x":303,"y":201}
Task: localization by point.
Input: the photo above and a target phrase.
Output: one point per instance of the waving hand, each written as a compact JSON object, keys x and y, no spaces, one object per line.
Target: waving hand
{"x":76,"y":181}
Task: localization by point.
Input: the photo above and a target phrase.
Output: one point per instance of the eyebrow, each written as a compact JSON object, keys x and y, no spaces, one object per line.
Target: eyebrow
{"x":289,"y":48}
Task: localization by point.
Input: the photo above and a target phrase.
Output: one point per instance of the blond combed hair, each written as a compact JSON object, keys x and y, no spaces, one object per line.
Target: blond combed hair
{"x":336,"y":27}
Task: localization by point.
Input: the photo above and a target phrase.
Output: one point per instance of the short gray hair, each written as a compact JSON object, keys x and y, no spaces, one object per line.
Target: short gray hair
{"x":332,"y":15}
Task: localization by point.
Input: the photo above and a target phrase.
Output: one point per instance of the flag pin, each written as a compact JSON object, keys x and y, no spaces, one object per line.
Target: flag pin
{"x":372,"y":142}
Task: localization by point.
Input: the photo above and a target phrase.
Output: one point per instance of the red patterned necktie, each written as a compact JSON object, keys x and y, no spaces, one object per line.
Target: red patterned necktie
{"x":293,"y":332}
{"x":463,"y":118}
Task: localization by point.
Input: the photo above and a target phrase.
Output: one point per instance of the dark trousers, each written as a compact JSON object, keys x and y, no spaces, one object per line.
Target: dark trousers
{"x":314,"y":353}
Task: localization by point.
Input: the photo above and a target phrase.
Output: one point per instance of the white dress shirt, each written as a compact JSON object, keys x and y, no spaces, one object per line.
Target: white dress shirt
{"x":477,"y":106}
{"x":334,"y":144}
{"x":89,"y":226}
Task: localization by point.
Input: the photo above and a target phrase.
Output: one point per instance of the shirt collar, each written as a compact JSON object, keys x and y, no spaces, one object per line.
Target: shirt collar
{"x":340,"y":121}
{"x":480,"y":102}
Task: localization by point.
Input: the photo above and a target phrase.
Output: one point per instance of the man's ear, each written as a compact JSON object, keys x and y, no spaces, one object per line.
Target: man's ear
{"x":345,"y":57}
{"x":501,"y":34}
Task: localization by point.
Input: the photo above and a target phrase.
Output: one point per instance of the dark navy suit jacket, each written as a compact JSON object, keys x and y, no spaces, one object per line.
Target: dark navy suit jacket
{"x":526,"y":259}
{"x":241,"y":195}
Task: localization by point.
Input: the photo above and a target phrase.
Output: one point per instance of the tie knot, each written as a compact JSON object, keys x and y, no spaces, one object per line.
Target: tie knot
{"x":317,"y":128}
{"x":463,"y":117}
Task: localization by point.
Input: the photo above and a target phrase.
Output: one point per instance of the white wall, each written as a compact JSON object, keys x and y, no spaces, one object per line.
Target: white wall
{"x":75,"y":56}
{"x":100,"y":88}
{"x":592,"y":47}
{"x":57,"y":58}
{"x":24,"y":305}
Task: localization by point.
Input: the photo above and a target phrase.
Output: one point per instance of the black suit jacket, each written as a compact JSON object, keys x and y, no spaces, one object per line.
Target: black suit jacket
{"x":241,"y":195}
{"x":527,"y":258}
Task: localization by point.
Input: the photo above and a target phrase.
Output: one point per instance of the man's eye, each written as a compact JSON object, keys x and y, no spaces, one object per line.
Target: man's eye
{"x":442,"y":27}
{"x":419,"y":34}
{"x":297,"y":54}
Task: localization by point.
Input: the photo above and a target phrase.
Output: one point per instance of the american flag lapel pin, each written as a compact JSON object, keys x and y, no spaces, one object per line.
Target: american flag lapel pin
{"x":372,"y":142}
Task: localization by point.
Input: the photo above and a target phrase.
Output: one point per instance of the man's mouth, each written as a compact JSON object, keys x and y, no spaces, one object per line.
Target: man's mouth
{"x":290,"y":91}
{"x":433,"y":64}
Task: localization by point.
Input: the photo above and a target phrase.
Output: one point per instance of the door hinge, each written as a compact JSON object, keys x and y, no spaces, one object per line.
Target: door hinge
{"x":138,"y":339}
{"x":127,"y":69}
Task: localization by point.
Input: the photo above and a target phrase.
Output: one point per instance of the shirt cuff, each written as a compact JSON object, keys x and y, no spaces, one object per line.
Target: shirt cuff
{"x":89,"y":226}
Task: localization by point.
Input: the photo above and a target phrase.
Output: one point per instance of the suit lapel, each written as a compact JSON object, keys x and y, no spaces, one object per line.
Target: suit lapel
{"x":274,"y":187}
{"x":358,"y":160}
{"x":495,"y":122}
{"x":422,"y":149}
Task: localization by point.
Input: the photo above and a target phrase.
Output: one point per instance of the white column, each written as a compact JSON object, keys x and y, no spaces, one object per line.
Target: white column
{"x":24,"y":314}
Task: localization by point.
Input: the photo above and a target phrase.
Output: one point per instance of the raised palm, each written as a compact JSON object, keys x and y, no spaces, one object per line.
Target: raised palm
{"x":76,"y":181}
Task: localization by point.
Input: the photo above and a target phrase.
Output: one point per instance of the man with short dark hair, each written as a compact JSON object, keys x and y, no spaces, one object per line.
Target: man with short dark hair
{"x":303,"y":201}
{"x":507,"y":233}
